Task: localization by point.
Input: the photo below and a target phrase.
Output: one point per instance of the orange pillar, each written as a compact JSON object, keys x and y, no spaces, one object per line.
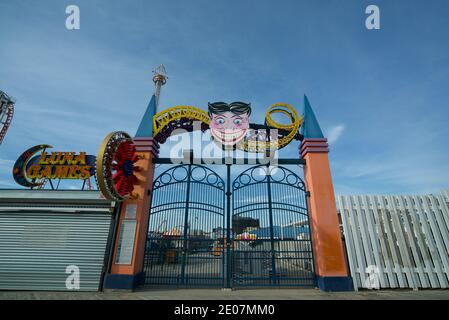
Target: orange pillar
{"x":126,"y":270}
{"x":330,"y":266}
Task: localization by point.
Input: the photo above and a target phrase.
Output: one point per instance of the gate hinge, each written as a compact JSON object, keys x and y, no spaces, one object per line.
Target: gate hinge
{"x":307,"y":193}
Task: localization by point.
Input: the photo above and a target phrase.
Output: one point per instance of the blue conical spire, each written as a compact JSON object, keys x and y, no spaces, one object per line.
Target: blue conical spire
{"x":310,"y":127}
{"x":146,"y":124}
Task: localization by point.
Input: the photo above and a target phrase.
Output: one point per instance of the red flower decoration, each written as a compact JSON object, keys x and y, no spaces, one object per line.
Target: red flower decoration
{"x":124,"y":159}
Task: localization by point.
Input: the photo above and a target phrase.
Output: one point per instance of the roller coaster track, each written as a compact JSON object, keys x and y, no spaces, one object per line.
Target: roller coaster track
{"x":179,"y":117}
{"x":6,"y":114}
{"x":270,"y":135}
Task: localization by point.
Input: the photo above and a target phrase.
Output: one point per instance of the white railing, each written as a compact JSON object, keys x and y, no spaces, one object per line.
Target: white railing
{"x":397,"y":241}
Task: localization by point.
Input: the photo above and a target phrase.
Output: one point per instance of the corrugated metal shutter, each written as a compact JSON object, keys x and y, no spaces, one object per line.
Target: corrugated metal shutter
{"x":36,"y":248}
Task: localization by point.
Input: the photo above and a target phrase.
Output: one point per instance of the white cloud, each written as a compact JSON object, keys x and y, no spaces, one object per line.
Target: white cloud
{"x":398,"y":171}
{"x":334,"y":133}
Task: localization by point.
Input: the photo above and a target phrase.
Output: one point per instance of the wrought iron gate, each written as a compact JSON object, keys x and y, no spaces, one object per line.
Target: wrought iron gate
{"x":186,"y":228}
{"x":271,"y":235}
{"x":263,"y":239}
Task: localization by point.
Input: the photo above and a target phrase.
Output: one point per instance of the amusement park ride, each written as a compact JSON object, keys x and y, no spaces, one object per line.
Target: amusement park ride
{"x":6,"y":114}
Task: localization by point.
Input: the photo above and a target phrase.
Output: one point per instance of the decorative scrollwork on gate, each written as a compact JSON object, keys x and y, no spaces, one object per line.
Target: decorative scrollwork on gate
{"x":181,"y":174}
{"x":259,"y":174}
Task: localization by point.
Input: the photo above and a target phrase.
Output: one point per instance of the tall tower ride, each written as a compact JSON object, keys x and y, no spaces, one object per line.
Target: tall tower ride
{"x":159,"y":79}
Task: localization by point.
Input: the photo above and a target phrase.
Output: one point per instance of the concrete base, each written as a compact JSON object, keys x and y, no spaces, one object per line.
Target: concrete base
{"x":332,"y":284}
{"x":125,"y":282}
{"x":246,"y":294}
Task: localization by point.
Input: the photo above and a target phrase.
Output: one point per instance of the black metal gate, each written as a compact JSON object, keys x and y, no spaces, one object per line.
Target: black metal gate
{"x":186,"y":228}
{"x":271,"y":235}
{"x":262,"y":239}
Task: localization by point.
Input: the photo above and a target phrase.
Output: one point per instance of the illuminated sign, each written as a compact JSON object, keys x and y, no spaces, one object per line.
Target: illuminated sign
{"x":30,"y":169}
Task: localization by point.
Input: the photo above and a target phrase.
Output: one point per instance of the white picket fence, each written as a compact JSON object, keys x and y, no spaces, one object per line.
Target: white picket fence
{"x":397,"y":241}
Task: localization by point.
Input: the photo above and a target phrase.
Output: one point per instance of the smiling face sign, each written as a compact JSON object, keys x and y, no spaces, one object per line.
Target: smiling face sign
{"x":229,"y":123}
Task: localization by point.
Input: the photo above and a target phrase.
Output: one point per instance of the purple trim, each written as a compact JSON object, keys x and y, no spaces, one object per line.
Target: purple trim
{"x":146,"y":145}
{"x":335,"y":284}
{"x":316,"y":150}
{"x":123,"y":281}
{"x":145,"y":139}
{"x":313,"y":146}
{"x":315,"y":140}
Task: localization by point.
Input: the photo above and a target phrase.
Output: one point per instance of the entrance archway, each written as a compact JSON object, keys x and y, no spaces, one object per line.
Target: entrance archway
{"x":328,"y":262}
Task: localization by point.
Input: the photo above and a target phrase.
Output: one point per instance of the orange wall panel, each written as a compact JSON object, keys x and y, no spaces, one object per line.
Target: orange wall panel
{"x":326,"y":238}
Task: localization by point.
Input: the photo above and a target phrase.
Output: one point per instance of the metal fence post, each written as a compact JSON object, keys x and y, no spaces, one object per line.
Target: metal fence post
{"x":186,"y":225}
{"x":228,"y":226}
{"x":270,"y":212}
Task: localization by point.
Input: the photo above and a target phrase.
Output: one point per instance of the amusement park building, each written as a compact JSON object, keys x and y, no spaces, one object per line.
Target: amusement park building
{"x":45,"y":232}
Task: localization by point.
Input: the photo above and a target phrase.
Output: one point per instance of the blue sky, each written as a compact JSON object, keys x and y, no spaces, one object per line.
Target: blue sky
{"x":381,"y":96}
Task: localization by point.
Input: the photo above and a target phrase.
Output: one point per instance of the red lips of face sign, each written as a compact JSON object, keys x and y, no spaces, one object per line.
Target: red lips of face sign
{"x":229,"y":128}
